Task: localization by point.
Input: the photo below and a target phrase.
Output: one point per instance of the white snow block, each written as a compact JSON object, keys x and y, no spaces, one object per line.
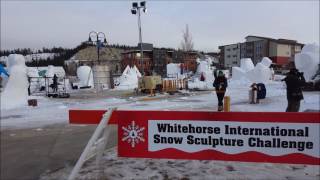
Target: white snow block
{"x":50,"y":71}
{"x":310,"y":48}
{"x":260,"y":74}
{"x":15,"y":93}
{"x":85,"y":75}
{"x":237,"y":73}
{"x":307,"y":61}
{"x":246,"y":64}
{"x":173,"y":70}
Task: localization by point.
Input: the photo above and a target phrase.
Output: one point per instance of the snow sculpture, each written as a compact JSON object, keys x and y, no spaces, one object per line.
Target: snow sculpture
{"x":205,"y":71}
{"x":84,"y":73}
{"x":15,"y":93}
{"x":308,"y":60}
{"x":238,"y":73}
{"x":246,"y":64}
{"x":266,"y":61}
{"x":129,"y":79}
{"x":260,"y":73}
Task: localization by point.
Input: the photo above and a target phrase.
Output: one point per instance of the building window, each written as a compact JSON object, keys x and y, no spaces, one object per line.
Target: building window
{"x":228,"y":56}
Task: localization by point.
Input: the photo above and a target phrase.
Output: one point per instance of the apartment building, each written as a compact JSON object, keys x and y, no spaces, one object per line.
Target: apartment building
{"x":230,"y":55}
{"x":280,"y":51}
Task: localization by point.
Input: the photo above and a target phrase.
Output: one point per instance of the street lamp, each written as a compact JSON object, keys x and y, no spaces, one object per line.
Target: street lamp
{"x":99,"y":44}
{"x":136,"y":8}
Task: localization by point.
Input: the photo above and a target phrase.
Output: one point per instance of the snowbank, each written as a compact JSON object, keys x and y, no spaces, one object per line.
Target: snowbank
{"x":308,"y":60}
{"x":15,"y":93}
{"x":84,"y":73}
{"x":129,"y":79}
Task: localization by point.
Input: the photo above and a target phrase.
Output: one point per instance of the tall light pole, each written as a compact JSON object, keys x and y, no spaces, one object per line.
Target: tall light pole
{"x":98,"y":36}
{"x":99,"y":44}
{"x":136,"y":8}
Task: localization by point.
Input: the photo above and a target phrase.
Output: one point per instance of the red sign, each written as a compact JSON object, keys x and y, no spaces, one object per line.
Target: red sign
{"x":274,"y":137}
{"x":231,"y":136}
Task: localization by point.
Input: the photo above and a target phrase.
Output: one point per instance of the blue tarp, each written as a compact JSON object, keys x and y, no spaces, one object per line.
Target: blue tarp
{"x":2,"y":70}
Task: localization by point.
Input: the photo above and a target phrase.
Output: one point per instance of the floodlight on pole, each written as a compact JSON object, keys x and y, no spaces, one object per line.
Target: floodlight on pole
{"x":136,"y":9}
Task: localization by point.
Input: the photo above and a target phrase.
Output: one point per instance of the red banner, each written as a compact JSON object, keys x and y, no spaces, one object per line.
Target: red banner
{"x":273,"y":137}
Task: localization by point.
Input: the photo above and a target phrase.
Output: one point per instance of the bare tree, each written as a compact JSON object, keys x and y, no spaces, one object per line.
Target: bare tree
{"x":187,"y":44}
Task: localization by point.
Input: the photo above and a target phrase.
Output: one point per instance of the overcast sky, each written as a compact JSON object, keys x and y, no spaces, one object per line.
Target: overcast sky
{"x":35,"y":24}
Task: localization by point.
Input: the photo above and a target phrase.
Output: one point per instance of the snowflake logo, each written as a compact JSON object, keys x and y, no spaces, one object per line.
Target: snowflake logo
{"x":133,"y":134}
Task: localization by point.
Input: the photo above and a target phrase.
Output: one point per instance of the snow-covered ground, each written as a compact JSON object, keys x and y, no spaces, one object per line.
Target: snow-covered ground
{"x":115,"y":168}
{"x":51,"y":111}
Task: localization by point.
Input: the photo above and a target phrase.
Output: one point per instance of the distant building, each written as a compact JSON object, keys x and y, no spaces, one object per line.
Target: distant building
{"x":110,"y":57}
{"x":161,"y":57}
{"x":280,"y":51}
{"x":230,"y":55}
{"x":133,"y":57}
{"x":155,"y":60}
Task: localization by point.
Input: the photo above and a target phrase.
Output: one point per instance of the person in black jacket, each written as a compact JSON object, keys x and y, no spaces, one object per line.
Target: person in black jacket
{"x":55,"y":83}
{"x":220,"y":83}
{"x":294,"y":81}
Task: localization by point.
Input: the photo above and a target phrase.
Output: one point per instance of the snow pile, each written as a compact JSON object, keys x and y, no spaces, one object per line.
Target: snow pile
{"x":129,"y":79}
{"x":261,"y":73}
{"x":15,"y":93}
{"x":204,"y":72}
{"x":85,"y":75}
{"x":308,"y":60}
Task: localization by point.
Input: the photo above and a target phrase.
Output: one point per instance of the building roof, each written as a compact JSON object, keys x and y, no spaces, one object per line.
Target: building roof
{"x":280,"y":41}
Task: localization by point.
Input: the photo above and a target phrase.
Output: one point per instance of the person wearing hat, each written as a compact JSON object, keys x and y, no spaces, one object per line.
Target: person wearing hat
{"x":294,"y":81}
{"x":220,"y":83}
